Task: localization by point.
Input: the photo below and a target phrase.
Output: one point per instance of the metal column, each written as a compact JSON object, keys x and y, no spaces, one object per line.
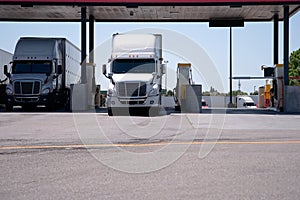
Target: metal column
{"x":91,"y":49}
{"x":275,"y":53}
{"x":286,"y":44}
{"x":230,"y":66}
{"x":83,"y":45}
{"x":91,"y":38}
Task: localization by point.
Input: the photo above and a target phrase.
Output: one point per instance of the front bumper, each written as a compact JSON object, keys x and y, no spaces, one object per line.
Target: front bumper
{"x":114,"y":101}
{"x":20,"y":100}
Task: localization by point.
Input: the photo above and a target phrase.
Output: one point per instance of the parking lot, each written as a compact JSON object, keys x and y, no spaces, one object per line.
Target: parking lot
{"x":175,"y":156}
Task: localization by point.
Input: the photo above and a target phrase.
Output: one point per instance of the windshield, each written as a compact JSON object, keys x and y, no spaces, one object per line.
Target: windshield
{"x":39,"y":67}
{"x":133,"y":66}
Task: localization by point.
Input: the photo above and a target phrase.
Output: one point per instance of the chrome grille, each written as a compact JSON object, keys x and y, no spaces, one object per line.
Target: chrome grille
{"x":27,"y":87}
{"x":131,"y":89}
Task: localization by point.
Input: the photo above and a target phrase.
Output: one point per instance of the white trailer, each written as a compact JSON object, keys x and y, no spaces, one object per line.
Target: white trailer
{"x":5,"y":58}
{"x":41,"y":73}
{"x":135,"y":73}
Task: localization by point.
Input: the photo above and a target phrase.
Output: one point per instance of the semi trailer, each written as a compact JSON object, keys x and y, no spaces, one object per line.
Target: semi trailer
{"x":42,"y":71}
{"x":135,"y":74}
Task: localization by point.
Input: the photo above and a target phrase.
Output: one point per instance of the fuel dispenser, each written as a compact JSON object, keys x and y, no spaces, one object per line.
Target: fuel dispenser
{"x":188,"y":95}
{"x":267,"y":94}
{"x":278,"y":86}
{"x":274,"y":92}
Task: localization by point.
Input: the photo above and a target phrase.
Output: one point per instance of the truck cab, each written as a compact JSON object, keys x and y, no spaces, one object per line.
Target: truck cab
{"x":135,"y":74}
{"x":38,"y":73}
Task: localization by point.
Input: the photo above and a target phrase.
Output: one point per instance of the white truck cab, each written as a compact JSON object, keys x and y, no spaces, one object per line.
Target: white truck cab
{"x":135,"y":74}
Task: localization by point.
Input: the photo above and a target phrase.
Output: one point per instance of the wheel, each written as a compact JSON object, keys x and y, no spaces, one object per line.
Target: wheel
{"x":67,"y":102}
{"x":50,"y":106}
{"x":8,"y":107}
{"x":177,"y":108}
{"x":28,"y":107}
{"x":68,"y":106}
{"x":109,"y":111}
{"x":153,"y":111}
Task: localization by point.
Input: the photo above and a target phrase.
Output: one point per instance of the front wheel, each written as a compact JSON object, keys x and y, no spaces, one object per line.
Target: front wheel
{"x":109,"y":111}
{"x":67,"y":102}
{"x":8,"y":107}
{"x":154,"y":111}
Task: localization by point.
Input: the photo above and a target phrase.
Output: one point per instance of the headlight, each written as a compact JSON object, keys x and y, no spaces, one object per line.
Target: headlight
{"x":46,"y":91}
{"x":153,"y":91}
{"x":9,"y":91}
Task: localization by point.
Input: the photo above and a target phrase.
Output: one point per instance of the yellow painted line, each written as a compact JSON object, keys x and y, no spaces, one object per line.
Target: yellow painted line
{"x":144,"y":145}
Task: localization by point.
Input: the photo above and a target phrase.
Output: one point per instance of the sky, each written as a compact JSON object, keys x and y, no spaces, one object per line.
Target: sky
{"x":206,"y":48}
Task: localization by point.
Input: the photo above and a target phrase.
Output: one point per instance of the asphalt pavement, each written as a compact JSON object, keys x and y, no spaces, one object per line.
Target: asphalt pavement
{"x":175,"y":156}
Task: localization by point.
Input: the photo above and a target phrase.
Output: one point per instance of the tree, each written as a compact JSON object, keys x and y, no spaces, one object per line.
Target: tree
{"x":238,"y":92}
{"x":206,"y":93}
{"x":294,"y":69}
{"x":254,"y":93}
{"x":170,"y":93}
{"x":213,"y":90}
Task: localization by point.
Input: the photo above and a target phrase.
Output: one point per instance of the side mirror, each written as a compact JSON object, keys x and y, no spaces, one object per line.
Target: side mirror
{"x":110,"y":77}
{"x":153,"y":77}
{"x":104,"y":69}
{"x":59,"y":69}
{"x":163,"y":68}
{"x":6,"y":71}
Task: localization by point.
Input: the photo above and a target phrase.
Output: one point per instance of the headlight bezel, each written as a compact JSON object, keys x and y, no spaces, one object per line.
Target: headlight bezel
{"x":9,"y":91}
{"x":46,"y":91}
{"x":154,"y":91}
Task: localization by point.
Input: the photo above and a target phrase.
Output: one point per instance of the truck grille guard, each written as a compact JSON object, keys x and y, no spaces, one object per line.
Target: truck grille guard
{"x":27,"y":87}
{"x":132,"y":93}
{"x":27,"y":91}
{"x":131,"y":90}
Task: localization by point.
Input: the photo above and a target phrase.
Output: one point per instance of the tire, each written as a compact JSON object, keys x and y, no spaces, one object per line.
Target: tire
{"x":50,"y":106}
{"x":52,"y":103}
{"x":67,"y":103}
{"x":153,"y":111}
{"x":8,"y":107}
{"x":178,"y":108}
{"x":28,"y":107}
{"x":109,"y":111}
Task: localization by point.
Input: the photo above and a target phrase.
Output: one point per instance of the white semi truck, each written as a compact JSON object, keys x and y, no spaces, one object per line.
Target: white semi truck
{"x":41,"y":73}
{"x":135,"y":74}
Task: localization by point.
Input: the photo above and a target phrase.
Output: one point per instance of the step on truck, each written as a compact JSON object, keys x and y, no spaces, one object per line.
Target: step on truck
{"x":135,"y":74}
{"x":42,"y":71}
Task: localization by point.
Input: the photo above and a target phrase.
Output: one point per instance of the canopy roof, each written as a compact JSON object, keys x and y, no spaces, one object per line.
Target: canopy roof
{"x":145,"y":10}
